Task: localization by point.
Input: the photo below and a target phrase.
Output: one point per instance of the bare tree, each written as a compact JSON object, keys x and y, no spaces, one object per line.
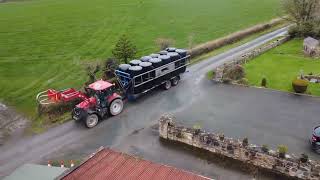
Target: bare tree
{"x":302,"y":11}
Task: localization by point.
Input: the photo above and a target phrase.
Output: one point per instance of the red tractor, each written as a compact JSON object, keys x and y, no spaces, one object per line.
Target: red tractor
{"x":100,"y":100}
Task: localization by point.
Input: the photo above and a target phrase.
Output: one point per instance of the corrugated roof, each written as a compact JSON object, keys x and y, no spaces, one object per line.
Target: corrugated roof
{"x":112,"y":165}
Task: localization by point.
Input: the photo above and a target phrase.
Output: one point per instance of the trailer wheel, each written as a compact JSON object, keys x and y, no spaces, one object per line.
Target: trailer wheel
{"x":175,"y":81}
{"x":167,"y":85}
{"x":116,"y":107}
{"x":92,"y":120}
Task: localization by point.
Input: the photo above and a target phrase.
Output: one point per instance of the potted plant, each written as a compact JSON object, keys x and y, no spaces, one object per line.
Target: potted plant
{"x":300,"y":85}
{"x":282,"y":150}
{"x":304,"y":158}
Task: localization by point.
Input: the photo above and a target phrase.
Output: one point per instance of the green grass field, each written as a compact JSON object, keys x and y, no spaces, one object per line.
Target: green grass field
{"x":281,"y":65}
{"x":44,"y":42}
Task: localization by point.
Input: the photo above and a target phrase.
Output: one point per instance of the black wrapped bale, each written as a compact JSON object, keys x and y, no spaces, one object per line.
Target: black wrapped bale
{"x":135,"y":71}
{"x":182,"y":52}
{"x":171,"y":49}
{"x":124,"y":67}
{"x":173,"y":56}
{"x":163,"y":52}
{"x":156,"y":62}
{"x":154,"y":55}
{"x":145,"y":58}
{"x":135,"y":62}
{"x":165,"y":59}
{"x":146,"y":66}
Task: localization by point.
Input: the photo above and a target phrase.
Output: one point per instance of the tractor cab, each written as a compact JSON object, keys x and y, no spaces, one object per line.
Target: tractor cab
{"x":102,"y":100}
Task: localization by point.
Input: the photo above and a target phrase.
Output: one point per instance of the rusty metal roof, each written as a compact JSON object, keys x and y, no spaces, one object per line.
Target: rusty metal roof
{"x":112,"y":165}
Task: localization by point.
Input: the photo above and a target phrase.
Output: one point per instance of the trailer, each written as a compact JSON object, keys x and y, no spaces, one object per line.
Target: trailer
{"x":103,"y":98}
{"x":167,"y":75}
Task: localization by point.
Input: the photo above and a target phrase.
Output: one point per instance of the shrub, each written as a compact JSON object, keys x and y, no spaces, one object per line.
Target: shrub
{"x":304,"y":158}
{"x":245,"y":142}
{"x":109,"y":67}
{"x":164,"y":43}
{"x":197,"y":129}
{"x":265,"y":148}
{"x":282,"y":150}
{"x":211,"y":75}
{"x":226,"y":80}
{"x":300,"y":85}
{"x":234,"y":72}
{"x":305,"y":30}
{"x":91,"y":71}
{"x":243,"y":81}
{"x":264,"y":82}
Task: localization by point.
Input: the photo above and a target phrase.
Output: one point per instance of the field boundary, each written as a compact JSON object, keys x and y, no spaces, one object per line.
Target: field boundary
{"x":229,"y":39}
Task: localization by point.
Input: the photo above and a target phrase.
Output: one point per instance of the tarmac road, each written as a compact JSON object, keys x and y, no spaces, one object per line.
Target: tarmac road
{"x":265,"y":116}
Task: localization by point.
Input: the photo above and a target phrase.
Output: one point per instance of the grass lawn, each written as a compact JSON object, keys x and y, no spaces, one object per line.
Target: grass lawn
{"x":281,"y":65}
{"x":43,"y":43}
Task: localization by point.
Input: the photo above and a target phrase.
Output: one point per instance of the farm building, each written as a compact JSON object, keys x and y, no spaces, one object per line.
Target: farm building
{"x":311,"y":47}
{"x":109,"y":164}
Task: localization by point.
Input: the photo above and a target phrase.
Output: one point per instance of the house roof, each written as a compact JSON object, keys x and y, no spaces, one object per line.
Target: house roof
{"x":111,"y":165}
{"x":35,"y":171}
{"x":311,"y":42}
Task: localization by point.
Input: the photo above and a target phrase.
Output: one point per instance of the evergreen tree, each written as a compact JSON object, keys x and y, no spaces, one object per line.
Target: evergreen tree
{"x":124,"y":49}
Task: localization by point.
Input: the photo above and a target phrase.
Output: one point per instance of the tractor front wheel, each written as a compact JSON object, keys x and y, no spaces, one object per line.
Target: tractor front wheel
{"x":116,"y":107}
{"x":92,"y":120}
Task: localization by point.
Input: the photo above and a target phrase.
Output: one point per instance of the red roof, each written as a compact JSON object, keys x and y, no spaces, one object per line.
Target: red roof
{"x":100,"y":85}
{"x":111,"y":165}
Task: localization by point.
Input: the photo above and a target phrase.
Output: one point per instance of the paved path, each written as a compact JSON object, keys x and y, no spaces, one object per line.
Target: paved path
{"x":234,"y":110}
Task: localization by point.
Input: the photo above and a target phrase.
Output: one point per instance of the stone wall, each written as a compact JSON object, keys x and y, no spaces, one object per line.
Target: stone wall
{"x":248,"y":56}
{"x":234,"y":149}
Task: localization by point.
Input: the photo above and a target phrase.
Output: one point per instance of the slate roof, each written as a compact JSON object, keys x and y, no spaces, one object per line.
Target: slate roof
{"x":35,"y":171}
{"x":311,"y":42}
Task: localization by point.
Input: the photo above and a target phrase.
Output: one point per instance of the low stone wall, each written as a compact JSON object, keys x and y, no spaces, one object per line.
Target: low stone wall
{"x":251,"y":155}
{"x":248,"y":56}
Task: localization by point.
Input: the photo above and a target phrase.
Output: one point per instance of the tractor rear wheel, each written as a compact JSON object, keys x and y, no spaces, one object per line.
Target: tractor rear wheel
{"x":116,"y":107}
{"x":92,"y":120}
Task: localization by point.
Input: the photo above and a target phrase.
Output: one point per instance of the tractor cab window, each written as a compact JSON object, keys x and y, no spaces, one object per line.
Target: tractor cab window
{"x":101,"y":98}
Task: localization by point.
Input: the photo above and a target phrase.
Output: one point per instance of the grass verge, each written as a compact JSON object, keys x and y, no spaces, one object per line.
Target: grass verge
{"x":281,"y":65}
